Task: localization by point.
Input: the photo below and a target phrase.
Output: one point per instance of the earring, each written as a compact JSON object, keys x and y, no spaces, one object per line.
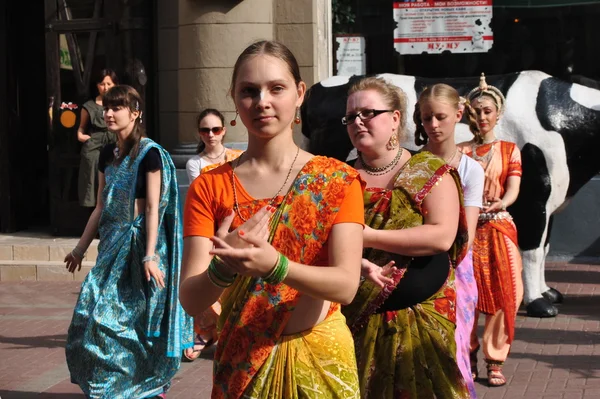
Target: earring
{"x":392,"y":144}
{"x":234,"y":120}
{"x":297,"y":118}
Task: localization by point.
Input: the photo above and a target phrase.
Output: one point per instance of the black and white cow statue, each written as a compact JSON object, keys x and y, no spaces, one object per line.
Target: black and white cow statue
{"x":555,"y":124}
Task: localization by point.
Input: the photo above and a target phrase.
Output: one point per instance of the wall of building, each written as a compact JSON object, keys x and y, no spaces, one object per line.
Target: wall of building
{"x":199,"y":42}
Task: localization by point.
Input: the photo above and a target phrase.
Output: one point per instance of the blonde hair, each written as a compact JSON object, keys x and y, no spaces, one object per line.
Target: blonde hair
{"x":392,"y":95}
{"x":441,"y":92}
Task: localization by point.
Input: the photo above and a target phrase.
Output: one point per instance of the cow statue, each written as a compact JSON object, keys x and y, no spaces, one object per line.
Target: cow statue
{"x":555,"y":124}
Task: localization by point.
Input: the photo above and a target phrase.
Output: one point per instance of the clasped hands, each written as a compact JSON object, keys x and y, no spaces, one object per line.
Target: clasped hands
{"x":245,"y":250}
{"x":493,"y":204}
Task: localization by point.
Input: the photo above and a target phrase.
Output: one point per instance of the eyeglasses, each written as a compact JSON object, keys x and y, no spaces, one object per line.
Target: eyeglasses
{"x":206,"y":130}
{"x":364,"y":115}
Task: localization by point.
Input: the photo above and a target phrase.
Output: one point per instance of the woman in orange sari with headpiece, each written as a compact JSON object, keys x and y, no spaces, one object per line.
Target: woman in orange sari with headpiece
{"x":293,"y":256}
{"x":496,"y":259}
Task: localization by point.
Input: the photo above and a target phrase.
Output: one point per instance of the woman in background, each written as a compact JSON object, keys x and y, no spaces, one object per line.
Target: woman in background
{"x":439,"y":109}
{"x":210,"y":154}
{"x":93,"y":135}
{"x":496,"y":258}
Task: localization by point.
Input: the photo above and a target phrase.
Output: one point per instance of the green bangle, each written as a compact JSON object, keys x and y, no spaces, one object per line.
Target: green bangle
{"x":274,"y":269}
{"x":280,"y":271}
{"x":212,"y":267}
{"x":214,"y":280}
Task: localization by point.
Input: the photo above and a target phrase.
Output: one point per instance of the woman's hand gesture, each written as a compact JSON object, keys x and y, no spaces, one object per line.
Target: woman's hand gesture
{"x":378,"y":275}
{"x":257,"y":226}
{"x":493,"y":204}
{"x":73,"y":262}
{"x":257,"y":258}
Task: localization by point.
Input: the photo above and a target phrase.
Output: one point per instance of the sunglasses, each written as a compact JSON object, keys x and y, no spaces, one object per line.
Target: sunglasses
{"x":215,"y":130}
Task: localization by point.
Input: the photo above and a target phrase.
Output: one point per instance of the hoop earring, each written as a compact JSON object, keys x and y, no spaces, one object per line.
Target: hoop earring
{"x":392,"y":144}
{"x":233,"y":122}
{"x":297,"y":118}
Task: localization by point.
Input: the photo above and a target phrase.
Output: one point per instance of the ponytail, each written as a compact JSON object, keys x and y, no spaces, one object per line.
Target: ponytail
{"x":473,"y":126}
{"x":420,"y":134}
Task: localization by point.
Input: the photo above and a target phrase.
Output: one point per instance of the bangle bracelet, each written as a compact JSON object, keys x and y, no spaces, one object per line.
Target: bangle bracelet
{"x":272,"y":272}
{"x":212,"y":268}
{"x":503,"y":204}
{"x":213,"y":280}
{"x":150,"y":258}
{"x":77,"y":252}
{"x":280,"y":272}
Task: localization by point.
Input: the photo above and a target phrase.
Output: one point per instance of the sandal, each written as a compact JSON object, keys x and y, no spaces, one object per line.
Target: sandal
{"x":473,"y":359}
{"x":191,"y":354}
{"x":494,"y":371}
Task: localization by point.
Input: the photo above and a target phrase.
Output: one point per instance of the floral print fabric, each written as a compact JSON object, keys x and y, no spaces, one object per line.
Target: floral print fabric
{"x":254,"y":313}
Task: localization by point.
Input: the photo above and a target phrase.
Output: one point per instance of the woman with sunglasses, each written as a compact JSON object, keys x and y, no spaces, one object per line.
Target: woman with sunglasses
{"x":210,"y":154}
{"x":403,"y":315}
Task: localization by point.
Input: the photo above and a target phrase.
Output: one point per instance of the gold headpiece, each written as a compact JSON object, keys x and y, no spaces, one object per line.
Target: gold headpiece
{"x":492,"y":91}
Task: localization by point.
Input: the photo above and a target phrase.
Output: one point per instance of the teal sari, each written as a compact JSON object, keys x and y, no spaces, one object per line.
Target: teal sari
{"x":126,"y":335}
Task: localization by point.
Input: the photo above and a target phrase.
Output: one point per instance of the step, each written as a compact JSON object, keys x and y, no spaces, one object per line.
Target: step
{"x":40,"y":257}
{"x":23,"y":270}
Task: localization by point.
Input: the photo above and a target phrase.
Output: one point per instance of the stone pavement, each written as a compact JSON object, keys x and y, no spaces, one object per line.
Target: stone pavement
{"x":551,"y":358}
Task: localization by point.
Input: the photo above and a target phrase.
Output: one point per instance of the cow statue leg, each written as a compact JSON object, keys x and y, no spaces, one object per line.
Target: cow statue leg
{"x":530,"y":215}
{"x":533,"y":277}
{"x":552,"y":295}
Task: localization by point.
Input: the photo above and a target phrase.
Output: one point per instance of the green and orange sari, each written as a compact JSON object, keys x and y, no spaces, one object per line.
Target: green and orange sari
{"x":411,"y":352}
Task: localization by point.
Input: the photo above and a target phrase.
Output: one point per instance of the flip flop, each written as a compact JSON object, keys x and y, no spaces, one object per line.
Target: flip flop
{"x":199,"y":346}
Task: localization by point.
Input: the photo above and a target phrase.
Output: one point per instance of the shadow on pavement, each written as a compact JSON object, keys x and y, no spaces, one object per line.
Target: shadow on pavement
{"x":48,"y":341}
{"x":586,"y":366}
{"x":36,"y":395}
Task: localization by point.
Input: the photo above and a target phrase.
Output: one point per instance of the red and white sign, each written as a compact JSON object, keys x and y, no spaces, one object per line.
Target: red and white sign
{"x":431,"y":26}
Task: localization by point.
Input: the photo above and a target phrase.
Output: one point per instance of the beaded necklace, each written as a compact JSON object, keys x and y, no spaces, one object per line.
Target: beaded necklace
{"x":382,"y":170}
{"x":485,"y":158}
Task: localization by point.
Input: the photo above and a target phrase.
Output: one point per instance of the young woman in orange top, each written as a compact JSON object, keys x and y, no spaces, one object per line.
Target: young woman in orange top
{"x":281,"y":332}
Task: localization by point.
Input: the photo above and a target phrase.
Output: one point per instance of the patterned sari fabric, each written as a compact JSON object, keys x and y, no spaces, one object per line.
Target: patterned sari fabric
{"x":407,"y":353}
{"x":126,"y":335}
{"x":253,"y":358}
{"x":466,"y":301}
{"x":496,"y":257}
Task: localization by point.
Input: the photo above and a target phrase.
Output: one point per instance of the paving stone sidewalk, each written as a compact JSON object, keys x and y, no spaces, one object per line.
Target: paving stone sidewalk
{"x":551,"y":358}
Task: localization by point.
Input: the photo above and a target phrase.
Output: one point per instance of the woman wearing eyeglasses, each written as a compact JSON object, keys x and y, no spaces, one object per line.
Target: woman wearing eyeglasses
{"x":403,"y":315}
{"x":210,"y":152}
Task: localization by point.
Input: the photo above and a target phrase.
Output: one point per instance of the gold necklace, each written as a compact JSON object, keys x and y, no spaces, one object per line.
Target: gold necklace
{"x":236,"y":206}
{"x":217,"y":157}
{"x":381,"y":170}
{"x":453,"y":156}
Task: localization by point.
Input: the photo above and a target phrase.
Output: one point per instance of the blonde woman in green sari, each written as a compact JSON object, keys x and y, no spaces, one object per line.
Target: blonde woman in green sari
{"x":403,"y":316}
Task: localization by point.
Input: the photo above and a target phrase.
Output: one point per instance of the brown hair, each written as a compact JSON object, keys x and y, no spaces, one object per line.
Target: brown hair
{"x":202,"y":115}
{"x":128,"y":97}
{"x":441,"y":92}
{"x":392,"y":95}
{"x":266,"y":47}
{"x":472,"y":115}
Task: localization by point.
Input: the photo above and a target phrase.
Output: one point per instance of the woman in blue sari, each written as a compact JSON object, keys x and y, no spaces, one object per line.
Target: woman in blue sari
{"x":128,"y":328}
